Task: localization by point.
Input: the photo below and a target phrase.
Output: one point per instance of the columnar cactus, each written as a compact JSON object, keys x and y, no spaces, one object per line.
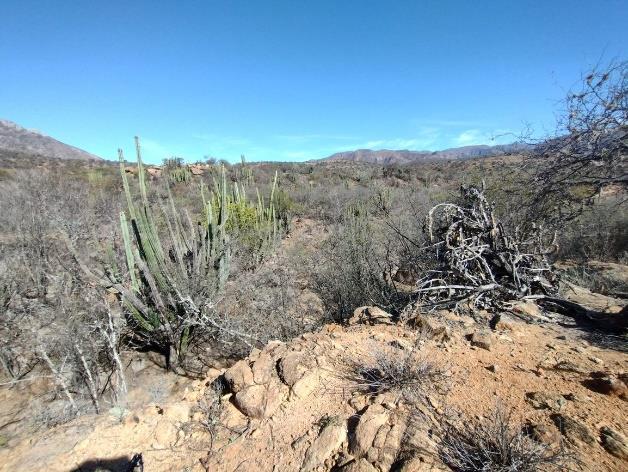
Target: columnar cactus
{"x":170,"y":289}
{"x":173,"y":280}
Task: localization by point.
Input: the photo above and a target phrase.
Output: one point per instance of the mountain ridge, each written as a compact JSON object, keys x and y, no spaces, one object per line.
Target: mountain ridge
{"x":15,"y":139}
{"x":404,"y":156}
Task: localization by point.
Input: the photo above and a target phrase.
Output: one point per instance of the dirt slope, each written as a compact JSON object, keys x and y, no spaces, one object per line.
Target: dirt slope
{"x":296,"y":406}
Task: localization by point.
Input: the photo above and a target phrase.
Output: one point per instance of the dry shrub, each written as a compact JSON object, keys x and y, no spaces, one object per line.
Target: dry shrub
{"x":407,"y":373}
{"x":352,"y":266}
{"x":496,"y":444}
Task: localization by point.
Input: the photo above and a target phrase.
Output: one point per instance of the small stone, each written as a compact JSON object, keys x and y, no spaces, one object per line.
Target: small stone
{"x":239,"y":376}
{"x":482,"y":339}
{"x":569,"y":366}
{"x":493,"y":368}
{"x":292,"y":367}
{"x":370,"y":315}
{"x":573,"y":429}
{"x":542,"y":433}
{"x":614,"y":442}
{"x":542,"y":400}
{"x":527,"y":309}
{"x":502,"y":322}
{"x":431,"y":328}
{"x":596,"y":360}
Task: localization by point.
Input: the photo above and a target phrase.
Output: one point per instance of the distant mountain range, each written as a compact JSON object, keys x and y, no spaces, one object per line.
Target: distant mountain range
{"x":386,"y":156}
{"x":17,"y":140}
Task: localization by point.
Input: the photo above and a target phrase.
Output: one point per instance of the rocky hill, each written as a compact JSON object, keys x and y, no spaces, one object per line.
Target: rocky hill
{"x":386,"y":156}
{"x":15,"y":140}
{"x":372,"y":395}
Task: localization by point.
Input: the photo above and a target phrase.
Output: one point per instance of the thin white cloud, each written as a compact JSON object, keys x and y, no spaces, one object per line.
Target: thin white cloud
{"x":153,"y":151}
{"x":471,"y":137}
{"x":312,"y":137}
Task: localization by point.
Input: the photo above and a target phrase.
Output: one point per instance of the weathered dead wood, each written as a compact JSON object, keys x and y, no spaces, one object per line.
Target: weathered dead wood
{"x":478,"y":261}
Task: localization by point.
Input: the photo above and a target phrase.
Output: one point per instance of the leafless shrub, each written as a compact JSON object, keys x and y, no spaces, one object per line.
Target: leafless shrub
{"x":268,"y":303}
{"x":497,"y":445}
{"x":210,"y":407}
{"x":351,"y":268}
{"x":589,"y":150}
{"x":407,"y":373}
{"x":600,"y":233}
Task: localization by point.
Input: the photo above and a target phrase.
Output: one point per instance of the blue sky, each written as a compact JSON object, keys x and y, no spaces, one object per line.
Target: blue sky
{"x":293,"y":80}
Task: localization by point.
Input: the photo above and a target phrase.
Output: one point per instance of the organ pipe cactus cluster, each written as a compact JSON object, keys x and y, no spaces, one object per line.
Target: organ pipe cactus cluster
{"x":257,"y":225}
{"x":173,"y":280}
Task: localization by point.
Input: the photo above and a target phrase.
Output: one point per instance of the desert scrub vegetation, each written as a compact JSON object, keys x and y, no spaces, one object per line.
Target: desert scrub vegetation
{"x":587,"y":153}
{"x":407,"y":373}
{"x":63,"y":237}
{"x":193,"y":277}
{"x":497,"y":444}
{"x":351,"y":268}
{"x":172,"y":279}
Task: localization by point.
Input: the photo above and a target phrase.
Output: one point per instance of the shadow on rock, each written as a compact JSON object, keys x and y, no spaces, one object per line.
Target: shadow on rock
{"x":118,"y":464}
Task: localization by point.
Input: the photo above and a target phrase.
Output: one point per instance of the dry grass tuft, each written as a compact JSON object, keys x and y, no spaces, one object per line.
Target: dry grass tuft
{"x":497,"y":445}
{"x":389,"y":369}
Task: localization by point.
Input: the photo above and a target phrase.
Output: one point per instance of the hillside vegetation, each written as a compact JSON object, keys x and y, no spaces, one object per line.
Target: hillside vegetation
{"x":463,"y":314}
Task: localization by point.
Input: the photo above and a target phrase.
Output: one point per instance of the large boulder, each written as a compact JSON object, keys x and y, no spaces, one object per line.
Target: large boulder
{"x":328,"y":442}
{"x":260,"y":401}
{"x":239,"y":376}
{"x":365,"y":432}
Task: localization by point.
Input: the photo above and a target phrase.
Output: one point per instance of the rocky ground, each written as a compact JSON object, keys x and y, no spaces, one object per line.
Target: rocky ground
{"x":304,"y":405}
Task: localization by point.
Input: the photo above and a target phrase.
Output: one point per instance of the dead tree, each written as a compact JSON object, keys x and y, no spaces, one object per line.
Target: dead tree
{"x":478,"y":261}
